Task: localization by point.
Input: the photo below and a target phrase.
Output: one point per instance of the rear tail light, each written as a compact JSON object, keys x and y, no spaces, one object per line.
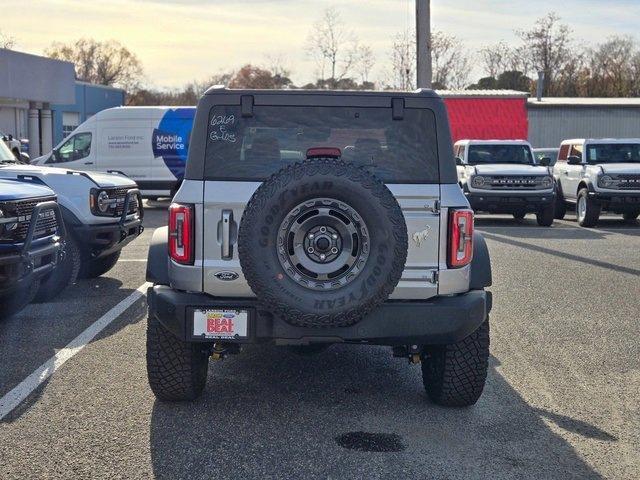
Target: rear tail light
{"x":460,"y":238}
{"x":181,"y":233}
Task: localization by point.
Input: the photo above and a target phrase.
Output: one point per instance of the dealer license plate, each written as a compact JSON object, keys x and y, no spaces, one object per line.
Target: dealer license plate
{"x":220,"y":324}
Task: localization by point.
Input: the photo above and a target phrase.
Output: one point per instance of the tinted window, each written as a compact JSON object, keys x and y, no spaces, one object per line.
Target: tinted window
{"x":252,"y":148}
{"x":480,"y":154}
{"x":564,"y":153}
{"x":615,"y":152}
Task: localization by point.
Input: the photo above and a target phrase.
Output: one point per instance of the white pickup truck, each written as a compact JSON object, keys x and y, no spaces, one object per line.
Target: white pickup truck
{"x":102,"y":213}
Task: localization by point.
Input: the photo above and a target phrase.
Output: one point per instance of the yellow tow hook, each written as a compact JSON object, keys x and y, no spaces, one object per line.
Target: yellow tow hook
{"x":414,"y":355}
{"x":218,"y":352}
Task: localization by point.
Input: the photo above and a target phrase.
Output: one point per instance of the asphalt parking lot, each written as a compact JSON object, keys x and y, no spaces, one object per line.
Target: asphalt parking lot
{"x":562,"y":398}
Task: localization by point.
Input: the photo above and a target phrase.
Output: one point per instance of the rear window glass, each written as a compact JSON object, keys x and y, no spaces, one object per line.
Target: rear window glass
{"x":252,"y":148}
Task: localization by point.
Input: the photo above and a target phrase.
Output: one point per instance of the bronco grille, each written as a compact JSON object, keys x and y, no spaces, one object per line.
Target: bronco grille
{"x":20,"y":211}
{"x":520,"y":182}
{"x":629,"y":181}
{"x":120,"y":195}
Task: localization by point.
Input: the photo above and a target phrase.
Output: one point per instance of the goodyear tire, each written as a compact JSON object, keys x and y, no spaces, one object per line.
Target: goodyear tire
{"x":322,"y":243}
{"x":454,"y":375}
{"x":14,"y":301}
{"x":177,"y":370}
{"x":65,"y":274}
{"x":99,"y":266}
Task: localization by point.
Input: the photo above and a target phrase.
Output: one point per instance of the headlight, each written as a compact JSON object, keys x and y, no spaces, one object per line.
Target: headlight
{"x":101,"y":203}
{"x":605,"y":181}
{"x":478,"y":181}
{"x":547,"y":182}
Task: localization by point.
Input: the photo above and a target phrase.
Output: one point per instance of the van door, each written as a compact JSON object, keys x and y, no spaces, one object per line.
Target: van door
{"x":235,"y":167}
{"x":77,"y":152}
{"x":124,"y":145}
{"x":170,"y":137}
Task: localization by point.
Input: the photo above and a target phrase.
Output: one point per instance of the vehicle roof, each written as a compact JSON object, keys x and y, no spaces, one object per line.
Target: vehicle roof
{"x":601,"y":140}
{"x":134,"y":112}
{"x":546,"y":149}
{"x":492,"y":142}
{"x":21,"y":189}
{"x":422,"y":92}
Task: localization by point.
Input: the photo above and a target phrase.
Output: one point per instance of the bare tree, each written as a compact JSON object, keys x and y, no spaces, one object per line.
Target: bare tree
{"x":403,"y":62}
{"x":611,"y":65}
{"x":451,"y":61}
{"x":365,"y":62}
{"x":330,"y":44}
{"x":6,"y":41}
{"x":496,"y":58}
{"x":105,"y":63}
{"x":549,"y":45}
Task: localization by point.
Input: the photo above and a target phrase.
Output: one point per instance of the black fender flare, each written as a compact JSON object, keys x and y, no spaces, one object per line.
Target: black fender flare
{"x":480,"y":265}
{"x":158,"y":257}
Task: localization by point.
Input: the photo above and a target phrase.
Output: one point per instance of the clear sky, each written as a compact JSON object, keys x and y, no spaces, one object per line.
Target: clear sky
{"x":183,"y":40}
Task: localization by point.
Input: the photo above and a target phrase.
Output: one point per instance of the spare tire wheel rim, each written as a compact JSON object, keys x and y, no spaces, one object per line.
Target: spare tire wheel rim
{"x":323,"y":244}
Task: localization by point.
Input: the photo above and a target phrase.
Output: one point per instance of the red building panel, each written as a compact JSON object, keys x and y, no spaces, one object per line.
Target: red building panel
{"x":487,"y":118}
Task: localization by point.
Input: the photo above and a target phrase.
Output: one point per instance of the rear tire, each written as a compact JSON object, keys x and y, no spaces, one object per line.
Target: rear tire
{"x":177,"y":370}
{"x":546,"y":216}
{"x":65,"y":274}
{"x":519,"y":215}
{"x":99,"y":266}
{"x":454,"y":375}
{"x":587,"y":211}
{"x":630,"y":217}
{"x":14,"y":301}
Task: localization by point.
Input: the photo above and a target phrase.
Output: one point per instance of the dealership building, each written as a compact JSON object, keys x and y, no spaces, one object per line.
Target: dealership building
{"x":40,"y":99}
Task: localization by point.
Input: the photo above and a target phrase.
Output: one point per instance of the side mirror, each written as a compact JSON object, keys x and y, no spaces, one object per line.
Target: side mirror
{"x":545,"y":161}
{"x":574,"y":160}
{"x":24,"y":158}
{"x":459,"y":161}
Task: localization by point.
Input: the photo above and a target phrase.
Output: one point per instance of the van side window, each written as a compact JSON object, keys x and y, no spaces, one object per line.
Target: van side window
{"x":75,"y":148}
{"x":564,"y":153}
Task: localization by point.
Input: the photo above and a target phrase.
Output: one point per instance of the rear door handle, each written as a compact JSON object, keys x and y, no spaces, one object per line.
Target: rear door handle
{"x":227,"y":219}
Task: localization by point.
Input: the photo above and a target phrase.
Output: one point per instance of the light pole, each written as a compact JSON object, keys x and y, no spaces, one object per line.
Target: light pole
{"x":423,"y":43}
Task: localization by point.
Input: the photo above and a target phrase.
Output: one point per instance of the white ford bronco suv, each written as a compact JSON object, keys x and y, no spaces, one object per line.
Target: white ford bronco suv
{"x":308,"y":218}
{"x":598,"y":175}
{"x":501,"y":176}
{"x":102,"y":213}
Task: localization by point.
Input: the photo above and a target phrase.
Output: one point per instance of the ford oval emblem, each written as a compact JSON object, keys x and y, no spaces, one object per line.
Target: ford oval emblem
{"x":226,"y":276}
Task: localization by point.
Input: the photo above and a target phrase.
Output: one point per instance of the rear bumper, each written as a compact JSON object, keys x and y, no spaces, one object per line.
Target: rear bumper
{"x":509,"y":202}
{"x":441,"y":320}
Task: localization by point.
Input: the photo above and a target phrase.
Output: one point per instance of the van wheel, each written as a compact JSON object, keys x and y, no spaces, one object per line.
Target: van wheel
{"x":177,"y":370}
{"x":454,"y":375}
{"x":546,"y":216}
{"x":101,"y":265}
{"x":587,"y":211}
{"x":15,"y":300}
{"x":65,"y":274}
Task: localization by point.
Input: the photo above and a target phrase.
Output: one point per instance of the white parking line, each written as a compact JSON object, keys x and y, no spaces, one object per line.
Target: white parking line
{"x":132,"y":260}
{"x":12,"y":399}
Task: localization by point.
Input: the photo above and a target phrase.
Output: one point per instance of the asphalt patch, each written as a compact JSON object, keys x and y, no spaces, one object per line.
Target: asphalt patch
{"x":371,"y":442}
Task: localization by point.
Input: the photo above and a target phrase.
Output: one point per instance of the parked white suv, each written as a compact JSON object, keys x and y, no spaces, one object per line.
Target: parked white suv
{"x":102,"y":213}
{"x":595,"y":175}
{"x":501,"y":176}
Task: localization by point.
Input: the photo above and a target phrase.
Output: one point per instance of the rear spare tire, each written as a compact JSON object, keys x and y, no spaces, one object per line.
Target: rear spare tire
{"x":322,"y":243}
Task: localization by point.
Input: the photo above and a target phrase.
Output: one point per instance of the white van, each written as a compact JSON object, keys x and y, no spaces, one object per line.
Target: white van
{"x":147,"y":144}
